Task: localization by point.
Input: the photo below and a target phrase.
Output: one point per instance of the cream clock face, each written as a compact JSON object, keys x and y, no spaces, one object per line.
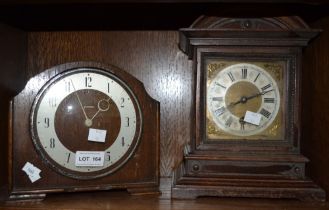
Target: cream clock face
{"x":243,"y":99}
{"x":85,"y":114}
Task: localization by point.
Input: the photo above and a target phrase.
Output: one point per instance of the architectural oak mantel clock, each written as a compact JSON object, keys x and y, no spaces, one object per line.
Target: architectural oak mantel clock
{"x":83,"y":126}
{"x":246,"y":117}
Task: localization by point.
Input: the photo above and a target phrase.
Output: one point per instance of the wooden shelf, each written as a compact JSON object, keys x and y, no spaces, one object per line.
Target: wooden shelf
{"x":123,"y":201}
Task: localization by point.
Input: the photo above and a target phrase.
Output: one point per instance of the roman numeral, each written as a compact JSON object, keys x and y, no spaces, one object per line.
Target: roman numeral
{"x":222,"y":86}
{"x":265,"y":87}
{"x":219,"y":111}
{"x":256,"y":77}
{"x":265,"y":113}
{"x":244,"y":73}
{"x":229,"y":121}
{"x":269,"y":100}
{"x":217,"y":98}
{"x":231,"y":76}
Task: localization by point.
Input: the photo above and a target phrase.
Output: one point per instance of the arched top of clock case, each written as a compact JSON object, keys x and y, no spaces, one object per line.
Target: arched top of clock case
{"x":223,"y":31}
{"x":273,"y":23}
{"x":37,"y":81}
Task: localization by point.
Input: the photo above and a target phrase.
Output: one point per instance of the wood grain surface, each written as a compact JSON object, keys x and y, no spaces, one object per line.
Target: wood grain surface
{"x":12,"y":59}
{"x":315,"y":105}
{"x":151,"y":56}
{"x":122,"y":201}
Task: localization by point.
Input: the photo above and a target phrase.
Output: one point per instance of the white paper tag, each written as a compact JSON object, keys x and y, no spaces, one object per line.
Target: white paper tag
{"x":34,"y":178}
{"x":252,"y":117}
{"x":32,"y":171}
{"x":89,"y":158}
{"x":96,"y":135}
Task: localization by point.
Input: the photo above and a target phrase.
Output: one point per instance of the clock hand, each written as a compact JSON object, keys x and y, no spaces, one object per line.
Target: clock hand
{"x":88,"y":122}
{"x":258,"y":94}
{"x":242,"y":122}
{"x":100,"y":109}
{"x":244,"y":99}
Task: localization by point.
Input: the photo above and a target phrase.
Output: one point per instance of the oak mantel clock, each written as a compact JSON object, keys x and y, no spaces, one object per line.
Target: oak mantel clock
{"x":246,"y":115}
{"x":83,"y":126}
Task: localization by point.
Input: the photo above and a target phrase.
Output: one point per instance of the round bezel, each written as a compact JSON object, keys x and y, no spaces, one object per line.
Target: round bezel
{"x":107,"y":84}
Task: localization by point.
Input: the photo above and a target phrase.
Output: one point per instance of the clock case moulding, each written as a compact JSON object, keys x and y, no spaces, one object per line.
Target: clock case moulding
{"x":139,"y":175}
{"x":241,"y":168}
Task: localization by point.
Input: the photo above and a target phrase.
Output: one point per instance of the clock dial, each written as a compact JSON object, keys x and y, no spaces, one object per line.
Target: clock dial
{"x":243,"y":99}
{"x":85,"y":110}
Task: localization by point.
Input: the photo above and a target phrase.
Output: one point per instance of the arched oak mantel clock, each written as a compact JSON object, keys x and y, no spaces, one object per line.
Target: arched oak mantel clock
{"x":83,"y":126}
{"x":247,"y":112}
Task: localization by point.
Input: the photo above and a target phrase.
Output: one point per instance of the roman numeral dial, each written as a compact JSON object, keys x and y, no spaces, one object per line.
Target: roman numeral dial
{"x":239,"y":88}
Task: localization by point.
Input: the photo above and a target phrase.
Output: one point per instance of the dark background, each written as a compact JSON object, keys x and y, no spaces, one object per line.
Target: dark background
{"x":141,"y":37}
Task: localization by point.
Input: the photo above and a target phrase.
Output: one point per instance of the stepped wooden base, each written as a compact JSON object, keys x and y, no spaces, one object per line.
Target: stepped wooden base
{"x":192,"y":180}
{"x":37,"y":196}
{"x":298,"y":189}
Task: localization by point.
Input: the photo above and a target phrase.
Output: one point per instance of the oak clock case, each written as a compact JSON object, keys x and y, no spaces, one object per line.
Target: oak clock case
{"x":246,"y":116}
{"x":83,"y":125}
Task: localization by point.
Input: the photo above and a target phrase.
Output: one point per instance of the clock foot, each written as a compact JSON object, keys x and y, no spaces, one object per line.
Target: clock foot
{"x":26,"y":197}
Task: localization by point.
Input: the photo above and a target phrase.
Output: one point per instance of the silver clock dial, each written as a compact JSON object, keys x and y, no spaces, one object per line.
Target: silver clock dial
{"x":240,"y":88}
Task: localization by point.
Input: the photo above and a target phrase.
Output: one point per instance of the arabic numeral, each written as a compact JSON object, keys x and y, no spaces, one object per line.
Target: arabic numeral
{"x":108,"y":156}
{"x":46,"y":121}
{"x":123,"y":141}
{"x":88,"y":80}
{"x":68,"y":86}
{"x":127,"y":121}
{"x":52,"y":102}
{"x":68,"y":158}
{"x":122,"y":102}
{"x":52,"y":143}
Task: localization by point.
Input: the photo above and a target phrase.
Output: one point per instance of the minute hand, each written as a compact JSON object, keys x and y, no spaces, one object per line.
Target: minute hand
{"x":76,"y":94}
{"x":244,"y":99}
{"x":259,"y":94}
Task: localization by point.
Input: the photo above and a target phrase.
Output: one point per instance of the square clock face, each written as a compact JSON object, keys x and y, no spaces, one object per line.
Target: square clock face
{"x":244,"y":99}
